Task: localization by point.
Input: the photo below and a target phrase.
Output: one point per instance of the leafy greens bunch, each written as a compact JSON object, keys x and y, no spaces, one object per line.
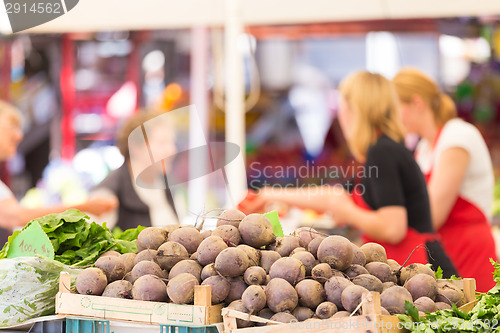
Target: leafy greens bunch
{"x":77,"y":242}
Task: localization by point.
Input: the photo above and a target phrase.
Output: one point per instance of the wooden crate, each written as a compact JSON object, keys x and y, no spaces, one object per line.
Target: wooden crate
{"x":201,"y":313}
{"x":372,"y":320}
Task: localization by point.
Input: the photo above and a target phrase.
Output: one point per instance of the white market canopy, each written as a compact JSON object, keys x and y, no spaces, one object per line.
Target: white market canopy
{"x":101,"y":15}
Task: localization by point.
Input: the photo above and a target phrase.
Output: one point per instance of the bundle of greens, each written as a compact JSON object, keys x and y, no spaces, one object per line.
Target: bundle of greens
{"x":484,"y":317}
{"x":77,"y":242}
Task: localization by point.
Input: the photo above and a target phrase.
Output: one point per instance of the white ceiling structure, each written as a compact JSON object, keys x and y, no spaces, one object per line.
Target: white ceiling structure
{"x":99,"y":15}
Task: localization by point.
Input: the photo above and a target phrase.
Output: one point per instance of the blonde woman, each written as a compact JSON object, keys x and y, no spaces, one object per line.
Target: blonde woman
{"x":455,"y":160}
{"x":11,"y":213}
{"x":389,"y":203}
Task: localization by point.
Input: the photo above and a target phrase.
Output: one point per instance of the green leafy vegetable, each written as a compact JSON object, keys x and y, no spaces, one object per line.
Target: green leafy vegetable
{"x":77,"y":242}
{"x":439,"y":273}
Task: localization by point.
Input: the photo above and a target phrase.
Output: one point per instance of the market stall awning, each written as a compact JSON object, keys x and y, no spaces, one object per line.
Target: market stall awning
{"x":98,"y":15}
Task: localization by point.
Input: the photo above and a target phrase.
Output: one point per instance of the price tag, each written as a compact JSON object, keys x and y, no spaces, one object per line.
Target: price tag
{"x":273,"y":217}
{"x":30,"y":242}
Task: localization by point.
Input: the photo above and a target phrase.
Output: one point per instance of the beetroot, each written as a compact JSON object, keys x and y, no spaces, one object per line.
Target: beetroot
{"x":310,"y":293}
{"x":288,"y":268}
{"x":321,"y":272}
{"x":307,"y":259}
{"x":151,"y":238}
{"x":351,"y":297}
{"x":325,"y":310}
{"x":231,"y":262}
{"x":91,"y":281}
{"x":169,"y":254}
{"x":281,"y":296}
{"x":336,"y":251}
{"x":147,"y":268}
{"x":231,"y":217}
{"x":302,"y":313}
{"x":285,"y":245}
{"x":149,"y":288}
{"x":180,"y":289}
{"x":254,"y":298}
{"x":230,"y":234}
{"x":253,"y":254}
{"x":256,"y":230}
{"x":209,"y":249}
{"x":220,"y":288}
{"x":422,"y":285}
{"x":394,"y":298}
{"x":238,"y":287}
{"x":305,"y":235}
{"x":314,"y":244}
{"x":334,"y":288}
{"x":189,"y":237}
{"x":255,"y":275}
{"x":186,"y":266}
{"x":359,"y":257}
{"x":112,"y":266}
{"x":146,"y":255}
{"x":268,"y":258}
{"x":374,"y":252}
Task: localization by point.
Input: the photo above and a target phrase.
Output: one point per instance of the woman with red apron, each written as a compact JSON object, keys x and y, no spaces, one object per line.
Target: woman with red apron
{"x":389,"y":201}
{"x":458,"y":170}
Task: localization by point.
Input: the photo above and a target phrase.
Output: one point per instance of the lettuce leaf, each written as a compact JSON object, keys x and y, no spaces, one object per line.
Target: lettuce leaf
{"x":77,"y":242}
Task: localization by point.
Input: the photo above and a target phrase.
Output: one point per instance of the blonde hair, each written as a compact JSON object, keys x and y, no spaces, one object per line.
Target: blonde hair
{"x":373,"y":99}
{"x":410,"y":82}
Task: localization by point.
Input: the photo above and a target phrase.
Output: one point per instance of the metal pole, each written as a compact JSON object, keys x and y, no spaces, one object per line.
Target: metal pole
{"x":68,"y":99}
{"x":197,"y":188}
{"x":5,"y":94}
{"x":235,"y":97}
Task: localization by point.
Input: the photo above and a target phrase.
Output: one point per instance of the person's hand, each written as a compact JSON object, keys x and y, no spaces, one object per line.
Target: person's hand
{"x":99,"y":206}
{"x":254,"y":202}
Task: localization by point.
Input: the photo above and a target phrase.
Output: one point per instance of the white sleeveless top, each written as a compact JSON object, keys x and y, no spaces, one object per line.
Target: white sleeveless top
{"x":477,"y":186}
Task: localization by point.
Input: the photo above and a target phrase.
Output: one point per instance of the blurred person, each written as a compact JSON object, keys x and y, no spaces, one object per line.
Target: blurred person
{"x":459,"y":173}
{"x":146,"y":201}
{"x":390,"y":206}
{"x":12,"y":214}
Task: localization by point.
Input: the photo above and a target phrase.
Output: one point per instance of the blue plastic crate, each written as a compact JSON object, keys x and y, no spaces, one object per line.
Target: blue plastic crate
{"x":188,"y":329}
{"x":80,"y":325}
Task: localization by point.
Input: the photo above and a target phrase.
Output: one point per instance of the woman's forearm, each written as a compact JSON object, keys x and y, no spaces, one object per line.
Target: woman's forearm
{"x":318,"y":198}
{"x":386,"y":224}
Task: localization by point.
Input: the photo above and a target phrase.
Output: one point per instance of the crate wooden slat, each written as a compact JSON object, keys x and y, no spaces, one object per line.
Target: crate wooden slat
{"x":201,"y":313}
{"x":372,"y":321}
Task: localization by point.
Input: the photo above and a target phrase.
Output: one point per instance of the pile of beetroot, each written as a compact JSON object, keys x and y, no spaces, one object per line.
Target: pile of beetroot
{"x":304,"y":276}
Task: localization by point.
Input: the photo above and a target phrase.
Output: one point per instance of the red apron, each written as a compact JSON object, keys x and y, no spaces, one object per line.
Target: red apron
{"x":466,"y":237}
{"x":402,"y":250}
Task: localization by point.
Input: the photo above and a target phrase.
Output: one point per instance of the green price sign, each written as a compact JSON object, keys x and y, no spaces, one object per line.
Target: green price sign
{"x":274,"y":218}
{"x":30,"y":242}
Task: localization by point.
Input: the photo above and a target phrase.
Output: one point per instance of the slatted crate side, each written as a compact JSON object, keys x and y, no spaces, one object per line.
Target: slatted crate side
{"x":202,"y":313}
{"x":372,"y":321}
